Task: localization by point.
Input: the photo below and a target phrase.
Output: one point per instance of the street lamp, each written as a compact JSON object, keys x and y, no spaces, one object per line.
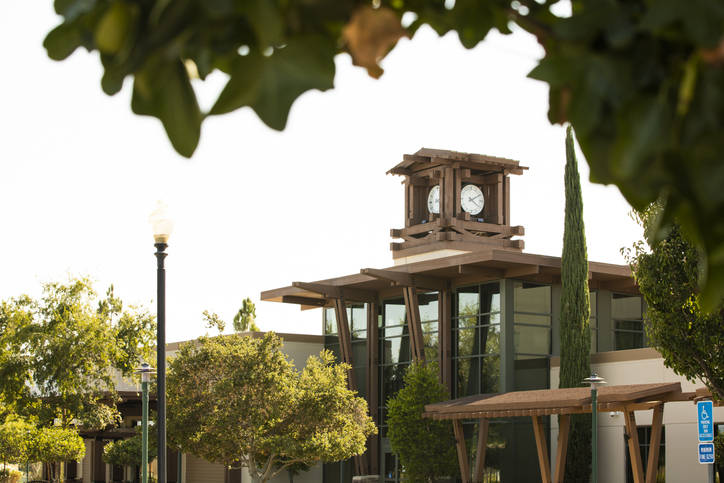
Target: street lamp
{"x":145,"y":371}
{"x":594,"y":381}
{"x":162,"y":227}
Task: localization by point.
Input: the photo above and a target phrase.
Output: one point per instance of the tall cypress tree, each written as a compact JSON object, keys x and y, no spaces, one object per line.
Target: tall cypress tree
{"x":574,"y":316}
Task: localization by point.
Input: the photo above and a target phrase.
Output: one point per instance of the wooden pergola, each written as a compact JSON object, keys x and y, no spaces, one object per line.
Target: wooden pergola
{"x":563,"y":402}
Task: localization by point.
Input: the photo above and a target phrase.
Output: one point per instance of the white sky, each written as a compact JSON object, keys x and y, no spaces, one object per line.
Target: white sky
{"x":257,"y":209}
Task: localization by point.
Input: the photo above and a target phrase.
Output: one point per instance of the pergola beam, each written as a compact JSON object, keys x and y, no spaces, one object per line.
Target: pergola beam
{"x":408,"y":279}
{"x":336,"y":292}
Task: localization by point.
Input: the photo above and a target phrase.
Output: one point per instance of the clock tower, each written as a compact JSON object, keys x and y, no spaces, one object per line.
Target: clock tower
{"x":455,"y":203}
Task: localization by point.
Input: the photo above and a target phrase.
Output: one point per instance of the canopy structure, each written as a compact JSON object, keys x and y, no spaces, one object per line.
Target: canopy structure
{"x":563,"y":402}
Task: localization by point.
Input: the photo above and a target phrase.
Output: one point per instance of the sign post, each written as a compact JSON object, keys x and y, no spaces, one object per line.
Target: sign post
{"x":704,"y":416}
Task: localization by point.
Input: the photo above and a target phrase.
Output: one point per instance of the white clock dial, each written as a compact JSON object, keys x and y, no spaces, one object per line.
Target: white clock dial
{"x":471,"y":199}
{"x":433,"y":200}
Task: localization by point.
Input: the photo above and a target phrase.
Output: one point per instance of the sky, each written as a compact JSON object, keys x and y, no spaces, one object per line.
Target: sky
{"x":258,"y":209}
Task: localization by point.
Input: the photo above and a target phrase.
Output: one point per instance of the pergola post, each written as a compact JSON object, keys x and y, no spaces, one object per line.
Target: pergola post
{"x":480,"y":453}
{"x":655,"y":443}
{"x":563,"y":430}
{"x":462,"y":450}
{"x":633,"y":446}
{"x":540,"y":443}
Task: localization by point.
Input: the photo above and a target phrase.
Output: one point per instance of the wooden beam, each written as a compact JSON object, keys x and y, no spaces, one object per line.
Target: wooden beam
{"x":633,"y":446}
{"x":400,"y":171}
{"x":292,"y":299}
{"x":481,"y":271}
{"x":522,"y":271}
{"x":407,"y":279}
{"x":335,"y":292}
{"x":462,"y":450}
{"x":563,"y":430}
{"x":414,"y":324}
{"x":480,"y":453}
{"x":540,"y":443}
{"x":655,"y":443}
{"x":619,"y":284}
{"x":345,"y":346}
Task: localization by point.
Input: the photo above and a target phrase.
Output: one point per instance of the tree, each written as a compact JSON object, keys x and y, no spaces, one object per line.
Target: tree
{"x":14,"y":440}
{"x":53,"y":446}
{"x":575,"y":312}
{"x":128,"y":452}
{"x":245,"y":319}
{"x":238,"y":401}
{"x":669,"y":277}
{"x":424,"y":446}
{"x":637,"y":79}
{"x":60,"y":357}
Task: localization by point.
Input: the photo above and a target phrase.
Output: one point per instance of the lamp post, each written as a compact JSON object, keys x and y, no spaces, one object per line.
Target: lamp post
{"x":594,"y":381}
{"x":162,"y":227}
{"x":145,"y":371}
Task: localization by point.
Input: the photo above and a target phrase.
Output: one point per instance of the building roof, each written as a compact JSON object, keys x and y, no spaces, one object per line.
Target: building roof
{"x":445,"y":273}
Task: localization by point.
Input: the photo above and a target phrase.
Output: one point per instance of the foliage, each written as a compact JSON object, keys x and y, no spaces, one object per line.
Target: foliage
{"x":639,"y":80}
{"x":14,"y":439}
{"x":719,"y":455}
{"x":128,"y":452}
{"x":425,"y":446}
{"x":575,"y":312}
{"x":669,"y":276}
{"x":245,"y":319}
{"x":58,"y":355}
{"x":237,"y":398}
{"x":8,"y":475}
{"x":53,"y":446}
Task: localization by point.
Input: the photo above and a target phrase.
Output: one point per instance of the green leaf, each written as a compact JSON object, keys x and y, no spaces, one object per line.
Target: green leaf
{"x":270,"y":85}
{"x":62,"y":41}
{"x":163,"y":90}
{"x":72,"y":9}
{"x":265,"y":19}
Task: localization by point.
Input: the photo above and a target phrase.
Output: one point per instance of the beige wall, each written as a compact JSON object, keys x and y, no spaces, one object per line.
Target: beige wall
{"x":643,"y":366}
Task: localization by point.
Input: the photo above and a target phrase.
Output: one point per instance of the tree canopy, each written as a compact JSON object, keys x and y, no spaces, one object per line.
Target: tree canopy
{"x":425,"y":446}
{"x":669,"y":276}
{"x":639,"y":80}
{"x":239,"y":401}
{"x":60,"y":357}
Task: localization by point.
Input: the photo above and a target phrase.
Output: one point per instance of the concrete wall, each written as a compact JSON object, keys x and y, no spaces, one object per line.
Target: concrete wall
{"x":643,"y":366}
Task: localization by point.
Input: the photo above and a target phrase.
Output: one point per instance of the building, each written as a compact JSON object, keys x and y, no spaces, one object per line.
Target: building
{"x":464,"y":294}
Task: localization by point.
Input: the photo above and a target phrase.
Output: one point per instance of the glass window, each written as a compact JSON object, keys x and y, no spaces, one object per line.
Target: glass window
{"x":330,"y":321}
{"x":532,"y":298}
{"x":532,"y":340}
{"x":627,"y":321}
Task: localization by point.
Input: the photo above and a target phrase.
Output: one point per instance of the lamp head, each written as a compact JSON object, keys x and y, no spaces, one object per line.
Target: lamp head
{"x":145,"y":371}
{"x":161,"y":222}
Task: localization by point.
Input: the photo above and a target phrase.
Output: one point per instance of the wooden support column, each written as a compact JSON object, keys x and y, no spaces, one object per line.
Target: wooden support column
{"x":414,"y":325}
{"x":633,"y":446}
{"x":373,"y":385}
{"x":540,"y":443}
{"x":655,"y":443}
{"x":462,"y":450}
{"x":480,"y":453}
{"x":563,"y":431}
{"x":345,"y":347}
{"x":444,"y":299}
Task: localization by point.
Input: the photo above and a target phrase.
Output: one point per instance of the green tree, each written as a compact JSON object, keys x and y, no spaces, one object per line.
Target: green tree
{"x":128,"y":452}
{"x":238,"y":401}
{"x":53,"y":446}
{"x":639,"y":80}
{"x":575,"y":312}
{"x":245,"y":319}
{"x":669,"y":277}
{"x":425,"y":446}
{"x":59,"y":356}
{"x":14,"y":440}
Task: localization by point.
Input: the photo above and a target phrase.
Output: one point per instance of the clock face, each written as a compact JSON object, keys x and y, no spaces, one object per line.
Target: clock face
{"x":433,"y":200}
{"x":471,"y":199}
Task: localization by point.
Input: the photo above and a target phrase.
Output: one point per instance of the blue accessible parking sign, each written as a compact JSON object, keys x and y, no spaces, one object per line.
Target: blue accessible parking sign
{"x":706,"y":453}
{"x":704,"y":410}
